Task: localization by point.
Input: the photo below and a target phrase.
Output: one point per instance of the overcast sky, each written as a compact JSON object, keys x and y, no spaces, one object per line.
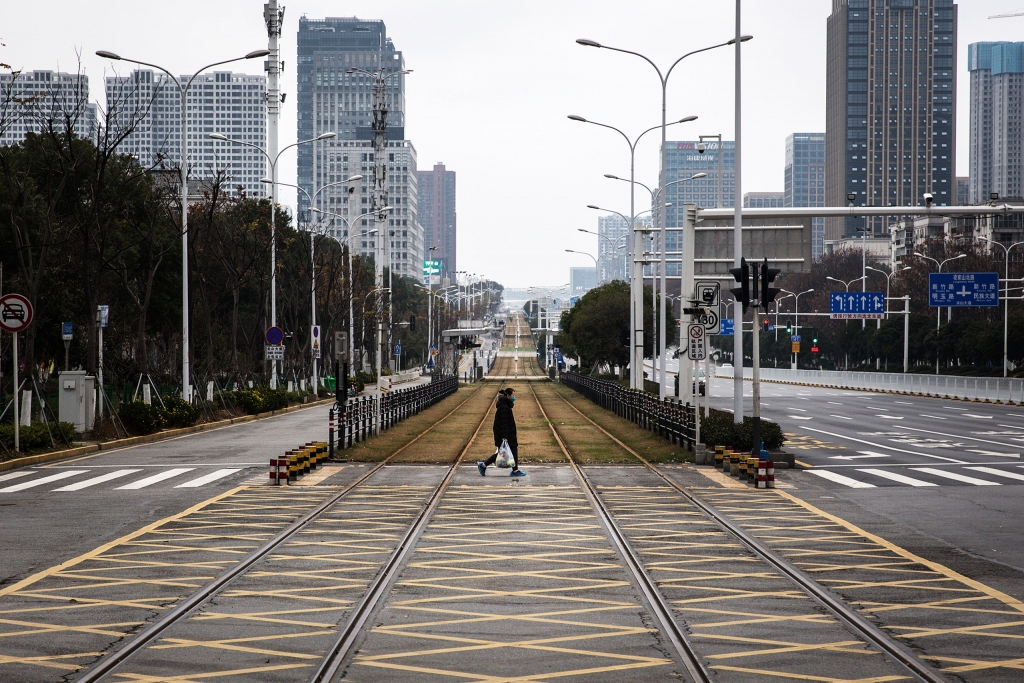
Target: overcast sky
{"x":493,"y":83}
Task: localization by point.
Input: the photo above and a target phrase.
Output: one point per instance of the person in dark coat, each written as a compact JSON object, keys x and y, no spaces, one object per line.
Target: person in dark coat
{"x":504,"y":430}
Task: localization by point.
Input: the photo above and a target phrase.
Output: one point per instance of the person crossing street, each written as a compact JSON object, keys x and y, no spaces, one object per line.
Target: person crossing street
{"x":504,"y":430}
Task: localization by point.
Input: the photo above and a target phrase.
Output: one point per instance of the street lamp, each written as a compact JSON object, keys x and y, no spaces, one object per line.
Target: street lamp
{"x":796,"y":298}
{"x":636,"y":274}
{"x":312,"y":259}
{"x":938,"y":309}
{"x":273,"y":227}
{"x":612,"y":250}
{"x":186,"y":381}
{"x":1006,"y":296}
{"x":845,"y":283}
{"x":663,"y":158}
{"x":888,"y":282}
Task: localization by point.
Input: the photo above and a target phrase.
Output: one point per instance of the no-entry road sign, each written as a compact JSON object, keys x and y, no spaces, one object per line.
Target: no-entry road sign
{"x":15,"y":313}
{"x":275,"y":335}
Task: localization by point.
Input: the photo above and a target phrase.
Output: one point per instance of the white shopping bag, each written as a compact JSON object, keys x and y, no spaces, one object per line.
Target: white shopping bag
{"x":505,"y":457}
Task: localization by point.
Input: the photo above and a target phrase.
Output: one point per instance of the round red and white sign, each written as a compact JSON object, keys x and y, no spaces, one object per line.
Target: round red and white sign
{"x":15,"y":313}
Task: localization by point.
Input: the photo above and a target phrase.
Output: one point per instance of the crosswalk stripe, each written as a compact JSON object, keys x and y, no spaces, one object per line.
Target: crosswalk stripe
{"x":45,"y":480}
{"x":840,"y":479}
{"x":998,"y":473}
{"x":212,"y":476}
{"x":156,"y":478}
{"x":13,"y":475}
{"x":79,"y":485}
{"x":956,"y":477}
{"x":899,"y":477}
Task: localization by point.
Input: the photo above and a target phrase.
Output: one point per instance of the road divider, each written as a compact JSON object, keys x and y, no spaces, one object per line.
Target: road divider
{"x":296,"y":463}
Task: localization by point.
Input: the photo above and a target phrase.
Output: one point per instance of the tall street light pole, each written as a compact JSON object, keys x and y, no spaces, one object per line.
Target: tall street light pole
{"x":1006,"y":298}
{"x":312,"y":260}
{"x":272,"y":160}
{"x":636,"y":270}
{"x":183,"y":87}
{"x":663,"y":78}
{"x":796,"y":325}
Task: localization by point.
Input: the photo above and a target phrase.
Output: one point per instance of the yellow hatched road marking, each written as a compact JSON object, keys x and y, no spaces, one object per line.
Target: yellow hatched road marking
{"x":979,"y":665}
{"x":806,"y":677}
{"x":191,"y":678}
{"x":49,"y":660}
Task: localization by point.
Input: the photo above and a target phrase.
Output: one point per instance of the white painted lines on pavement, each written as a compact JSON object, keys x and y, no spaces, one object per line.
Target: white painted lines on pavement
{"x":12,"y":475}
{"x":994,"y":453}
{"x":840,"y":479}
{"x":904,"y":403}
{"x":954,"y":408}
{"x":79,"y":485}
{"x":841,"y":417}
{"x":999,"y":473}
{"x":45,"y":480}
{"x":876,"y":408}
{"x":801,"y":417}
{"x":833,"y":403}
{"x":960,"y":436}
{"x":156,"y":478}
{"x":866,"y":454}
{"x":956,"y":477}
{"x":206,"y":479}
{"x":888,"y":448}
{"x":978,"y":417}
{"x":934,"y":417}
{"x":800,"y":409}
{"x":890,"y":417}
{"x":910,"y":481}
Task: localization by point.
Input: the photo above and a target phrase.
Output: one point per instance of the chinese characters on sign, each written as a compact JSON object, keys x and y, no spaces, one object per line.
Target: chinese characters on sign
{"x":963,"y":289}
{"x":856,"y":305}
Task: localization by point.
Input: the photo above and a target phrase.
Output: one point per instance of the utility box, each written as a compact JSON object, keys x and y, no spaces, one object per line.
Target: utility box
{"x":78,"y":399}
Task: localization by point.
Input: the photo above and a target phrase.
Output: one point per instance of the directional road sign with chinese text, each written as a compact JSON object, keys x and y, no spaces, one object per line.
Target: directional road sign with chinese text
{"x":856,"y":305}
{"x":963,"y":289}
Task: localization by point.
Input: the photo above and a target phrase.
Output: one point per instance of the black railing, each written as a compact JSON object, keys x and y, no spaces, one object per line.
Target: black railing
{"x":357,"y":419}
{"x":671,"y":420}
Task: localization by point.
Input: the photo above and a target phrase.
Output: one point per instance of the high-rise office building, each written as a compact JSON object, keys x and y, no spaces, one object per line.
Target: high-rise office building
{"x":582,"y":280}
{"x":612,"y":248}
{"x":330,"y":99}
{"x":30,"y":101}
{"x":763,"y":200}
{"x":232,"y":104}
{"x":890,"y":124}
{"x":437,"y":216}
{"x":997,"y":127}
{"x":963,"y":191}
{"x":805,"y":181}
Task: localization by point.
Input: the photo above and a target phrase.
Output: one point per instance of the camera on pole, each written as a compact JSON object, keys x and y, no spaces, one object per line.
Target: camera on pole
{"x":742,"y":276}
{"x":768,"y":293}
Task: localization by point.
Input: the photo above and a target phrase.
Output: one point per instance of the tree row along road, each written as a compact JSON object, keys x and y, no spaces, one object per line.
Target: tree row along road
{"x":461,"y":577}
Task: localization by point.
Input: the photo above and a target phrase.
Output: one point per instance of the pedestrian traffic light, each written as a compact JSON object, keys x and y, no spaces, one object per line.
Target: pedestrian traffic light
{"x":764,"y":324}
{"x":768,"y":293}
{"x":789,"y":327}
{"x":412,"y":323}
{"x":742,"y":276}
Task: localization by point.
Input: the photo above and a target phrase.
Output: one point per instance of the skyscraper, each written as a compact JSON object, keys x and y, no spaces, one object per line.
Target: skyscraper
{"x":805,"y":181}
{"x":763,"y":200}
{"x":612,"y":231}
{"x":232,"y":104}
{"x":32,"y":100}
{"x":330,"y":99}
{"x":890,"y":106}
{"x":437,"y":216}
{"x":997,"y":131}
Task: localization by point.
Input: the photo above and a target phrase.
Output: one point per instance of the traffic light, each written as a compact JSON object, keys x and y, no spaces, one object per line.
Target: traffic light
{"x":412,"y":323}
{"x":742,"y":276}
{"x":764,"y":324}
{"x":789,"y":327}
{"x":814,"y":341}
{"x":768,"y":293}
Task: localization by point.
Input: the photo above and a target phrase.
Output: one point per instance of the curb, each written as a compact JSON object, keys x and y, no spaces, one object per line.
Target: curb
{"x":885,"y":391}
{"x":150,"y":438}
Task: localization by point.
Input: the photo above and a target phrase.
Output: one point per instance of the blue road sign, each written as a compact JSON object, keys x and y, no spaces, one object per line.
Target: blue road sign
{"x":963,"y":289}
{"x":728,"y":327}
{"x":856,"y":305}
{"x":398,"y":349}
{"x":66,"y":331}
{"x":795,"y":337}
{"x":275,"y":335}
{"x":430,"y":363}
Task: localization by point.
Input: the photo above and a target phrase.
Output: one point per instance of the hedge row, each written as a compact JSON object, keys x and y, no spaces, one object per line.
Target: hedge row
{"x":718,"y":429}
{"x":36,"y":435}
{"x":141,"y":418}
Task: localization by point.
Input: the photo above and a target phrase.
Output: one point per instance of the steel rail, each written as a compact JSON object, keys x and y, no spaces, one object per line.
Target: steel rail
{"x":871,"y":633}
{"x":147,"y":635}
{"x":335,"y":659}
{"x":688,"y":655}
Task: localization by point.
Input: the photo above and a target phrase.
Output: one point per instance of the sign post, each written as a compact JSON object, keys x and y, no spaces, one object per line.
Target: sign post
{"x":274,"y":348}
{"x":315,"y":348}
{"x":15,"y":315}
{"x":66,"y":334}
{"x":102,"y":318}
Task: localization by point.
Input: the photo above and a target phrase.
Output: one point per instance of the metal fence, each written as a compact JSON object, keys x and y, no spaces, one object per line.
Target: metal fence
{"x":358,"y":419}
{"x":671,"y":420}
{"x":988,"y":389}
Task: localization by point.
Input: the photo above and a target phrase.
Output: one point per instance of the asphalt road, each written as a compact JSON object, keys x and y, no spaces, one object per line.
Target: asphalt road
{"x":925,"y":469}
{"x":52,"y":513}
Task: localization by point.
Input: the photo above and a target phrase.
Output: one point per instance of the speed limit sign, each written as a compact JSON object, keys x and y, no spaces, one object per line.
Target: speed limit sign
{"x":696,"y":349}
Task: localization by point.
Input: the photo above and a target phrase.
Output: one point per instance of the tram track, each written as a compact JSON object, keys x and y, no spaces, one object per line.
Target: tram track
{"x":151,"y":634}
{"x":846,"y":614}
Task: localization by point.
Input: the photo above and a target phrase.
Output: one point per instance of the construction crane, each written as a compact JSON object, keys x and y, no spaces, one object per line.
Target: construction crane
{"x":1007,"y":16}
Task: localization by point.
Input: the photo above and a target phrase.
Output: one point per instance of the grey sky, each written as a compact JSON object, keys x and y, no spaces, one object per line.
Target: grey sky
{"x":493,"y":83}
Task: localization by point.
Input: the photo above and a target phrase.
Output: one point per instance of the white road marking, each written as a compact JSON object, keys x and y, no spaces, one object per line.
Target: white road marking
{"x":212,"y":476}
{"x":956,"y":477}
{"x":961,"y":436}
{"x":934,"y":417}
{"x":888,"y":448}
{"x":999,"y":473}
{"x":45,"y":480}
{"x":840,"y":479}
{"x":800,"y":417}
{"x":14,"y":475}
{"x":890,"y":417}
{"x":834,"y":403}
{"x":877,"y":408}
{"x":156,"y":478}
{"x":904,"y":403}
{"x":841,"y":417}
{"x":998,"y":455}
{"x":978,"y":417}
{"x":867,"y":454}
{"x":898,"y":477}
{"x":79,"y":485}
{"x":954,"y":408}
{"x":800,"y":409}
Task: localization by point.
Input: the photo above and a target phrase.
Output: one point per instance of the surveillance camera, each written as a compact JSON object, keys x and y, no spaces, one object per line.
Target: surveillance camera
{"x":701,"y":148}
{"x":928,"y":198}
